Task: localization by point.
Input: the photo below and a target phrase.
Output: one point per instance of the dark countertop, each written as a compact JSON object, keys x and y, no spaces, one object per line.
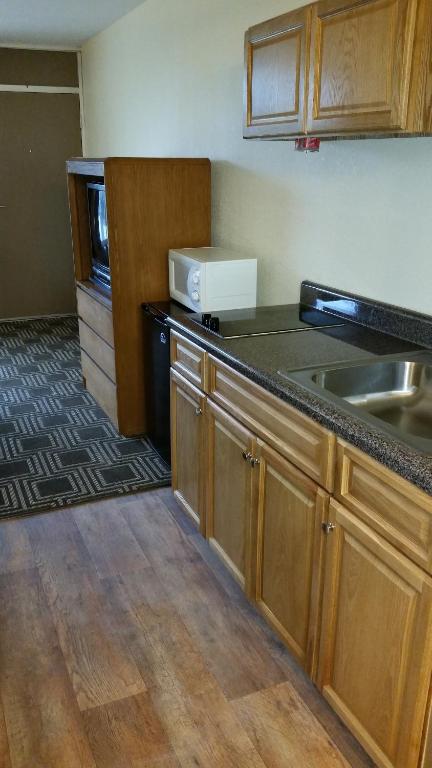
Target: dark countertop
{"x":260,"y":358}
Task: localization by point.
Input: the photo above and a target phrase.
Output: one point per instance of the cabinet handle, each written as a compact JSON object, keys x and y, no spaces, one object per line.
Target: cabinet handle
{"x":251,"y":459}
{"x":328,"y":528}
{"x":198,"y":411}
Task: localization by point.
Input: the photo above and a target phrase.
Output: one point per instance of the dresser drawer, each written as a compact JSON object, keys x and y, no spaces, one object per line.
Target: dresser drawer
{"x":189,"y":360}
{"x":96,"y":348}
{"x":395,"y":508}
{"x":305,"y":443}
{"x":100,"y":386}
{"x":95,"y":315}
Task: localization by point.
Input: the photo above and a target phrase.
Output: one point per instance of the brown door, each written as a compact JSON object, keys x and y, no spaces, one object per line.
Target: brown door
{"x":276,"y":56}
{"x":231,"y":478}
{"x":38,"y":132}
{"x":291,"y":510}
{"x":376,"y":640}
{"x":187,"y":447}
{"x":360,"y":65}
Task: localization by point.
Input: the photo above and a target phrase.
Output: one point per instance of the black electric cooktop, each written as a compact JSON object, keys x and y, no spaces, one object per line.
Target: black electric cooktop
{"x":263,"y":321}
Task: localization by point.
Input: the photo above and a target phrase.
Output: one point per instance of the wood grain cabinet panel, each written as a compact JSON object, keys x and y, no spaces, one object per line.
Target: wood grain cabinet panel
{"x":361,"y":54}
{"x":187,"y":447}
{"x":231,"y":480}
{"x":100,"y":386}
{"x":95,"y":315}
{"x":426,"y":758}
{"x":291,"y":510}
{"x":300,"y":439}
{"x":391,"y":505}
{"x":189,"y":360}
{"x":376,"y":641}
{"x":276,"y":60}
{"x":340,"y":68}
{"x":96,"y":348}
{"x":153,"y":204}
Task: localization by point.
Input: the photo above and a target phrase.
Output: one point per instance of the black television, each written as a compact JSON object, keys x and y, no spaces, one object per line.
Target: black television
{"x":100,"y":267}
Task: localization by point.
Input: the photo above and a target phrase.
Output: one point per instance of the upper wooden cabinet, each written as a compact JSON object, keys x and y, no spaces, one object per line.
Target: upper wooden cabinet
{"x":276,"y":54}
{"x":360,"y":65}
{"x":367,"y":65}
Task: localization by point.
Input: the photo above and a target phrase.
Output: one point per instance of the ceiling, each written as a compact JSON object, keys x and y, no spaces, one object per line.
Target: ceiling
{"x":57,"y":23}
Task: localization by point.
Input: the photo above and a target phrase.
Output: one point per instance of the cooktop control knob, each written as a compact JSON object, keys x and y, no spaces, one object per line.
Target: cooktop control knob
{"x":205,"y":319}
{"x":195,"y":296}
{"x":214,"y":324}
{"x":196,"y":278}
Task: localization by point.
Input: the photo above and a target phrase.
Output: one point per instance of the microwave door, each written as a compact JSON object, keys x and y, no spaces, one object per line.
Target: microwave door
{"x":183,"y":287}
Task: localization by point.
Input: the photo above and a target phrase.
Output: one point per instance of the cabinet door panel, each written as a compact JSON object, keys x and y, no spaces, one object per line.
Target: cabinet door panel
{"x":230,"y":481}
{"x":276,"y":58}
{"x":376,"y":650}
{"x":187,"y":447}
{"x":361,"y":54}
{"x":289,"y":549}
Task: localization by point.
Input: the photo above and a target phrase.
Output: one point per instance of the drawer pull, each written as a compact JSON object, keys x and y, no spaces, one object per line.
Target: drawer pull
{"x":198,"y":411}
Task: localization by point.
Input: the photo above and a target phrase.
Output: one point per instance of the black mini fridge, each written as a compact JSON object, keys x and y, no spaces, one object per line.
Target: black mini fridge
{"x":157,"y":340}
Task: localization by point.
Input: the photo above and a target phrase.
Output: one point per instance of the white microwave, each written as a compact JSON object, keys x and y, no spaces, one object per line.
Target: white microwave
{"x":209,"y":279}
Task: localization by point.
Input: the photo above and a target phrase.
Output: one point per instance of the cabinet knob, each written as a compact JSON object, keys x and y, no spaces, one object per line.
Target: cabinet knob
{"x":198,"y":411}
{"x":254,"y":461}
{"x":328,"y":528}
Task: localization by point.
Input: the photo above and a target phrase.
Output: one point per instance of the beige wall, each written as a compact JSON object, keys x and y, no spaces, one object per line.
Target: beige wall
{"x":167,"y":80}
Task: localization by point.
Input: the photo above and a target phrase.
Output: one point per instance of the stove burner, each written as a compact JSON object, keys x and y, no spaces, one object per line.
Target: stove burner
{"x":265,"y":321}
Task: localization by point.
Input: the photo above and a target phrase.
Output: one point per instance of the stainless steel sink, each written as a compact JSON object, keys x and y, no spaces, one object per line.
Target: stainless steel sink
{"x":396,"y":392}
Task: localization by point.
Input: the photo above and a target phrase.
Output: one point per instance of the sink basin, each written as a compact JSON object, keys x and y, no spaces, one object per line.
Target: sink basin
{"x":397,"y":392}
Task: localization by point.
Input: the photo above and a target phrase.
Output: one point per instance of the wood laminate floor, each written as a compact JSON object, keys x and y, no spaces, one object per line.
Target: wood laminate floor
{"x":125,"y":644}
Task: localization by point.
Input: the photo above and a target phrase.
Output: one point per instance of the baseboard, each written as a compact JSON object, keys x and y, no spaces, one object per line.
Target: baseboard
{"x":36,"y":317}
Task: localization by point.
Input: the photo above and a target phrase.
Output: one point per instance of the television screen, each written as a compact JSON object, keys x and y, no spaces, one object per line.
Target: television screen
{"x":99,"y":233}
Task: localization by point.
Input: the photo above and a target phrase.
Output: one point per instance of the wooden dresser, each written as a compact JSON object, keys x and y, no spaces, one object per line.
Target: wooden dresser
{"x":152,"y":205}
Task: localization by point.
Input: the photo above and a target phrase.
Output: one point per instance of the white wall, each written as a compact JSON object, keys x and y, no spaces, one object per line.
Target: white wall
{"x":167,"y":80}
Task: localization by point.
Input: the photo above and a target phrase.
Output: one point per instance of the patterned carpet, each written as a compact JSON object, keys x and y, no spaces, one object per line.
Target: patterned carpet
{"x":57,"y":447}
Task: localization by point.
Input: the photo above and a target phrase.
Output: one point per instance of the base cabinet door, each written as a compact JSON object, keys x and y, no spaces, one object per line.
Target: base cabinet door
{"x":231,"y":482}
{"x":291,"y":511}
{"x":361,"y":54}
{"x":376,"y":641}
{"x":187,"y":447}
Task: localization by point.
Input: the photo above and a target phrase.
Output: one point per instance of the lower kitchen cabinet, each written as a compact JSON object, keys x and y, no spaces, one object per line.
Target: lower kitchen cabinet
{"x":376,"y":640}
{"x":290,"y":543}
{"x":345,"y":582}
{"x":187,"y":447}
{"x":231,"y":486}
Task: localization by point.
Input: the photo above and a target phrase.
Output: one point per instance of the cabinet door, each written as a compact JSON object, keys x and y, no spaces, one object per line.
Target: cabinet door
{"x":291,"y":510}
{"x":376,"y":641}
{"x":361,"y":53}
{"x":231,"y":480}
{"x":187,"y":447}
{"x":276,"y":56}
